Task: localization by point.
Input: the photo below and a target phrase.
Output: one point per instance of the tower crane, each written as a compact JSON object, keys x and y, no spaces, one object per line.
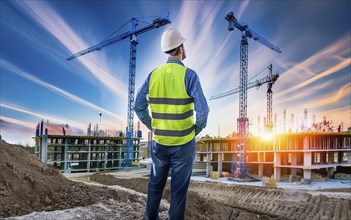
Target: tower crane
{"x":270,"y":80}
{"x":243,"y":121}
{"x":132,"y":34}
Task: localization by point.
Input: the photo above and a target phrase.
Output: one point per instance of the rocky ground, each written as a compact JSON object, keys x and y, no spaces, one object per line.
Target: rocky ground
{"x":31,"y":190}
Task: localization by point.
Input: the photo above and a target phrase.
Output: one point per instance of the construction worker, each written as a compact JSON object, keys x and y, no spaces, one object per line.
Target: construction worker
{"x":173,"y":92}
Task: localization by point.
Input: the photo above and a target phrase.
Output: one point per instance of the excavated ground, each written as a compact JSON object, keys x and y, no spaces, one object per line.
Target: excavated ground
{"x":31,"y":190}
{"x":222,"y":201}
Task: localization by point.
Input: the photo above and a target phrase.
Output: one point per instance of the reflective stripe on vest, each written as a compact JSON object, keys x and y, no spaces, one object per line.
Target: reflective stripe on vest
{"x":172,"y":108}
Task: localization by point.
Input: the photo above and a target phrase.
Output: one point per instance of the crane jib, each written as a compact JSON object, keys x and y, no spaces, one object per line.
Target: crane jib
{"x":156,"y":24}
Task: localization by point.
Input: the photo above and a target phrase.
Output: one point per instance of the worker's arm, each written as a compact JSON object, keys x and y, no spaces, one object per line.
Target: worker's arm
{"x":194,"y":90}
{"x":142,"y":104}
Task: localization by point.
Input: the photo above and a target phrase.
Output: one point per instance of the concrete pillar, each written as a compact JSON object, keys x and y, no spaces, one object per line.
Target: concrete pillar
{"x":307,"y":162}
{"x":306,"y":145}
{"x":349,"y":159}
{"x":330,"y":157}
{"x":330,"y":172}
{"x":120,"y":154}
{"x":293,"y":158}
{"x":260,"y":170}
{"x":277,"y":173}
{"x":293,"y":163}
{"x":307,"y":159}
{"x":260,"y":166}
{"x":66,"y":168}
{"x":208,"y":163}
{"x":44,"y":149}
{"x":307,"y":174}
{"x":277,"y":162}
{"x":277,"y":158}
{"x":220,"y":164}
{"x":89,"y":155}
{"x":105,"y":157}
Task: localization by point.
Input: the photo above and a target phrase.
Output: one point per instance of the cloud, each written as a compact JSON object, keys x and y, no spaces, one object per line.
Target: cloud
{"x":14,"y":69}
{"x":329,"y":99}
{"x":40,"y":116}
{"x":331,"y":59}
{"x":345,"y":63}
{"x":57,"y":27}
{"x":18,"y":122}
{"x":242,"y":7}
{"x":11,"y":128}
{"x":206,"y":48}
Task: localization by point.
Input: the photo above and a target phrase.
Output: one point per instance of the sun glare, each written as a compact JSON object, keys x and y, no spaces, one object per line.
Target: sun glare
{"x":267,"y":137}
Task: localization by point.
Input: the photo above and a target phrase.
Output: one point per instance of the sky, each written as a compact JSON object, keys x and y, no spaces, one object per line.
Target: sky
{"x":38,"y":83}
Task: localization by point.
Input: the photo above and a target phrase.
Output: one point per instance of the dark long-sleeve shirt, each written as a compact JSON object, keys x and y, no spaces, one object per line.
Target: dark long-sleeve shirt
{"x":194,"y":90}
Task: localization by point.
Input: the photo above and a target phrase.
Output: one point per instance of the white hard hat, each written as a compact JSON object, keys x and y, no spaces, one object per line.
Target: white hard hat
{"x":171,"y":39}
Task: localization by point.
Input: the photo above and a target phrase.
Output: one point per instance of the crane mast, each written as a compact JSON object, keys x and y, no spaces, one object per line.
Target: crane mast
{"x":132,"y":68}
{"x":269,"y":124}
{"x":243,"y":121}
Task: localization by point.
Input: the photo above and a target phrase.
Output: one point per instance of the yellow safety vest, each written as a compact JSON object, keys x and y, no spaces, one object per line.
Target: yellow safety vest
{"x":172,"y":108}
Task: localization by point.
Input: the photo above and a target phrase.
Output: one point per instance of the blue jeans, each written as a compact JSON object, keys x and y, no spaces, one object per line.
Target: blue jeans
{"x":180,"y":159}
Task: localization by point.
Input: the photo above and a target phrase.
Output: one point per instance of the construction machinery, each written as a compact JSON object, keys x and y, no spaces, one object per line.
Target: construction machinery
{"x":270,"y":80}
{"x":132,"y":34}
{"x":243,"y":121}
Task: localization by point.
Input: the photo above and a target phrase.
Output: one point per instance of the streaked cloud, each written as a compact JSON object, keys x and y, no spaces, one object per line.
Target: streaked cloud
{"x":343,"y":92}
{"x":16,"y":131}
{"x":345,"y":63}
{"x":190,"y":14}
{"x":14,"y":69}
{"x":18,"y":122}
{"x":44,"y":15}
{"x":331,"y":58}
{"x":242,"y":7}
{"x":39,"y":115}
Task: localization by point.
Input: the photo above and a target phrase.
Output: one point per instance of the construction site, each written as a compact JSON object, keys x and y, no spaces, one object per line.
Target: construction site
{"x":290,"y":175}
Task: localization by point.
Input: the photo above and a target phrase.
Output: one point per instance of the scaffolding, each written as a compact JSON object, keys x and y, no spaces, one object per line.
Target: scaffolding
{"x":85,"y":153}
{"x":285,"y":154}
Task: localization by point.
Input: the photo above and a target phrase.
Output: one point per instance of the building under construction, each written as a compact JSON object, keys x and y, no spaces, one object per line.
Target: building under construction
{"x":84,"y":153}
{"x":290,"y":154}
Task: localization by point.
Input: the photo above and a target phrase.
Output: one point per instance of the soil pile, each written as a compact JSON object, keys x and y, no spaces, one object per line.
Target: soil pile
{"x":27,"y":185}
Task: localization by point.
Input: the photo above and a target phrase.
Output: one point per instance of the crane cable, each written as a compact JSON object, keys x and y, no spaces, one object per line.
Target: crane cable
{"x":258,"y":73}
{"x":138,"y":18}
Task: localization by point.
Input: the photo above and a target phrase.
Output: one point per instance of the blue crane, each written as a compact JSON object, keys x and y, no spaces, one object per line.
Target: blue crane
{"x":132,"y":65}
{"x":243,"y":121}
{"x":270,"y":80}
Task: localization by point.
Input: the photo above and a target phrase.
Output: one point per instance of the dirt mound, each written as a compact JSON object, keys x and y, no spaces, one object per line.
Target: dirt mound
{"x":27,"y":185}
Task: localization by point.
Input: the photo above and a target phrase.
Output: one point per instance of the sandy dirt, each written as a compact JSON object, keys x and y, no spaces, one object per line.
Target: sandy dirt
{"x":31,"y":190}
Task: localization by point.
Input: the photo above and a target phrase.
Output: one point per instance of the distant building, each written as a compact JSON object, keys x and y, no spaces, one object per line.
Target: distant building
{"x":286,"y":154}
